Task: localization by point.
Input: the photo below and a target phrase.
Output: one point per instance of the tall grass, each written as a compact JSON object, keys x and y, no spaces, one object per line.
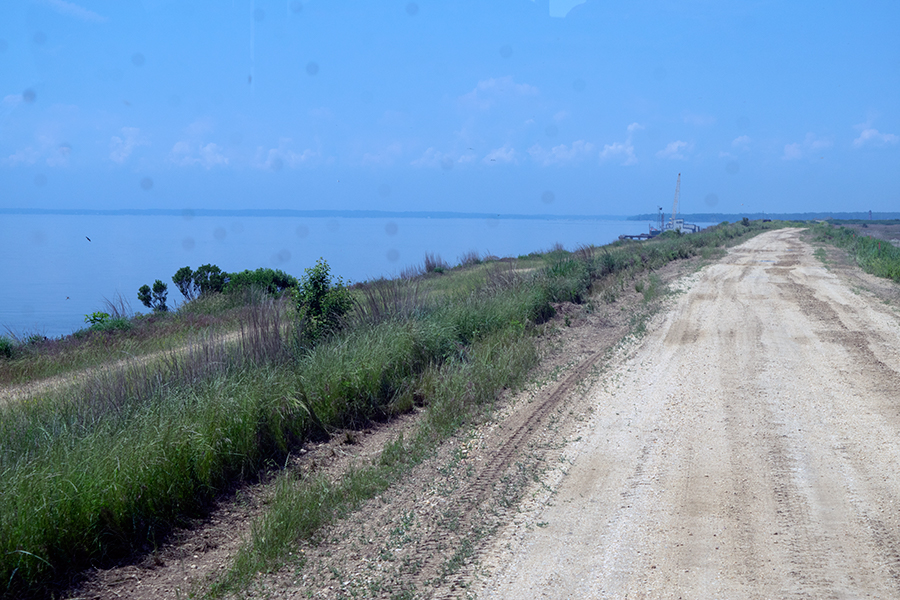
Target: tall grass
{"x":97,"y":471}
{"x":875,"y":256}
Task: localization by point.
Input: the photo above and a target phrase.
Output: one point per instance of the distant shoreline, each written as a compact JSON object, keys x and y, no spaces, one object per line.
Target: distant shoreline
{"x":189,"y":213}
{"x":347,"y":214}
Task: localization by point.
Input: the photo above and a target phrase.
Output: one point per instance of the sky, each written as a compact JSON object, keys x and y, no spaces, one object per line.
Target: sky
{"x":507,"y":106}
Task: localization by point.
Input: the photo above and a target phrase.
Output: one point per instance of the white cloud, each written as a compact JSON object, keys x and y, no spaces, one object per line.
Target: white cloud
{"x":563,"y":114}
{"x":504,"y":154}
{"x":384,"y":157}
{"x":622,"y":149}
{"x":25,"y":157}
{"x":188,"y":154}
{"x":698,"y":119}
{"x":562,"y":153}
{"x":672,"y":151}
{"x":873,"y":137}
{"x":809,"y":145}
{"x":741,"y":142}
{"x":435,"y":158}
{"x":283,"y":156}
{"x":122,"y":147}
{"x":488,"y":91}
{"x":560,"y":8}
{"x":71,"y":9}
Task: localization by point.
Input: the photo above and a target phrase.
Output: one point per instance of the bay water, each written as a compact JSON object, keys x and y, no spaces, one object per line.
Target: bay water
{"x":56,"y":269}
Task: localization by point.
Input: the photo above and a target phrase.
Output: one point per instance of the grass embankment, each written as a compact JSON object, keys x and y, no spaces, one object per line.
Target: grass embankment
{"x":875,"y":256}
{"x":124,"y":335}
{"x":96,"y":472}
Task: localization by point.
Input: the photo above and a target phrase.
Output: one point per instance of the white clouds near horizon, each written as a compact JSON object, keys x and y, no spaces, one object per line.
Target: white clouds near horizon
{"x":810,"y":145}
{"x":873,"y":137}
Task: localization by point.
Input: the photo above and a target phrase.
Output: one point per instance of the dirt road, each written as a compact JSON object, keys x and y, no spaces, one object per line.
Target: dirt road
{"x":748,"y":448}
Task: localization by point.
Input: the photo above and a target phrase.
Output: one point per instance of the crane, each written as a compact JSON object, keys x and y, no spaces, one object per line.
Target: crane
{"x":675,"y":202}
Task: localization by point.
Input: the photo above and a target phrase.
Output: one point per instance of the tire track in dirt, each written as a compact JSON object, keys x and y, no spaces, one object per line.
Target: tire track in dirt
{"x":759,"y":454}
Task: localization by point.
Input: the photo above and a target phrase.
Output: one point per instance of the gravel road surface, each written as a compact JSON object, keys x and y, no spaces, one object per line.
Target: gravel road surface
{"x":748,"y":448}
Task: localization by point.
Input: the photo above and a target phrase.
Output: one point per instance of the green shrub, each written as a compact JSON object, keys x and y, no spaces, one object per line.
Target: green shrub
{"x":273,"y":281}
{"x":7,"y":347}
{"x":321,"y":302}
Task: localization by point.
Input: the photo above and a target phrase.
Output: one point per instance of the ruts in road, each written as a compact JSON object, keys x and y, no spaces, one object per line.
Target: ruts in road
{"x":748,"y":448}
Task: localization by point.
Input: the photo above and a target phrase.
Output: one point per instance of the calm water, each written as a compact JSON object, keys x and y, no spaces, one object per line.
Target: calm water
{"x":52,"y":275}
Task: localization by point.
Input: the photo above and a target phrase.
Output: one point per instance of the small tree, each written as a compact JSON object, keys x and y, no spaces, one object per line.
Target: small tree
{"x":154,"y":299}
{"x":321,"y":302}
{"x":209,"y":278}
{"x":184,"y":281}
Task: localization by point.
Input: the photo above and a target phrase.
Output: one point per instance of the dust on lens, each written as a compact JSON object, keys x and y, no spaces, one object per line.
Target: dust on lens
{"x":551,"y":130}
{"x":412,"y":9}
{"x":506,"y":51}
{"x":277,"y":164}
{"x":578,"y":85}
{"x":446,"y":163}
{"x":146,"y":184}
{"x":137,"y":59}
{"x":332,"y":225}
{"x":711,"y":199}
{"x":548,"y":197}
{"x":29,"y":96}
{"x":188,"y":243}
{"x":259,"y":15}
{"x":39,"y":38}
{"x":219,"y":233}
{"x":296,"y":6}
{"x":384,"y":190}
{"x":732,"y":167}
{"x":40,"y":180}
{"x":390,"y":228}
{"x":302,"y":231}
{"x":312,"y":68}
{"x":393,"y":255}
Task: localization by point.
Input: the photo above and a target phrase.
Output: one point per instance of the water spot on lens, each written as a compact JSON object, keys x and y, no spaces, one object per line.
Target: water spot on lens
{"x":219,"y":233}
{"x":446,"y":163}
{"x":732,"y":167}
{"x":551,"y":130}
{"x":3,"y":45}
{"x":137,"y":59}
{"x":384,"y":190}
{"x":332,"y":225}
{"x":39,"y":38}
{"x":412,"y":9}
{"x":659,"y":73}
{"x":146,"y":184}
{"x":187,"y":214}
{"x":578,"y":85}
{"x":236,"y":138}
{"x":743,"y":122}
{"x":711,"y":199}
{"x":65,"y":149}
{"x":40,"y":180}
{"x":29,"y":96}
{"x":302,"y":231}
{"x":393,"y":255}
{"x":277,"y":164}
{"x":548,"y":197}
{"x":493,"y":223}
{"x":296,"y":6}
{"x":38,"y":237}
{"x":283,"y":256}
{"x":259,"y":15}
{"x":188,"y":243}
{"x":506,"y":51}
{"x":312,"y":68}
{"x":390,"y":228}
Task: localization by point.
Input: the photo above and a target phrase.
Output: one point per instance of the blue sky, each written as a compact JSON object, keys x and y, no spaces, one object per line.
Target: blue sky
{"x":508,"y":106}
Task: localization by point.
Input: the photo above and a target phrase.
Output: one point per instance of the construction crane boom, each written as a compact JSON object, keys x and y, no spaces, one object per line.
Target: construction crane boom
{"x":675,"y":202}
